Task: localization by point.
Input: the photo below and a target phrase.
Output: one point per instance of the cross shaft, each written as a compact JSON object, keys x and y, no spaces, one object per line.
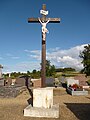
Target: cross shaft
{"x":43,"y":63}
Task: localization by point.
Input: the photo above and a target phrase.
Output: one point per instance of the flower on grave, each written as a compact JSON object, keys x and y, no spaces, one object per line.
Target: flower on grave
{"x":75,"y":87}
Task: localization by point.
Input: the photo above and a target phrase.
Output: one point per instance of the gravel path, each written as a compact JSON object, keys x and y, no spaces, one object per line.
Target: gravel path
{"x":71,"y":107}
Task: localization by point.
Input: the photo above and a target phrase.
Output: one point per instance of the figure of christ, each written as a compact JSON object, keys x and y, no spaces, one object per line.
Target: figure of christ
{"x":44,"y":29}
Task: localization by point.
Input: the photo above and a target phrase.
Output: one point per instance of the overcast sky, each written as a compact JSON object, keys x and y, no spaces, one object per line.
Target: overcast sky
{"x":20,"y":41}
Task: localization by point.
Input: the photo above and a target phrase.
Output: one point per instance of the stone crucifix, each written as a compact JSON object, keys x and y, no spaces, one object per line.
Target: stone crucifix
{"x":43,"y":22}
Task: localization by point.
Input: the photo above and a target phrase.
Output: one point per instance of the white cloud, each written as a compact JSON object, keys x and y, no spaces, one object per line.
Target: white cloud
{"x":62,"y":58}
{"x":33,"y":51}
{"x":57,"y":56}
{"x":27,"y":51}
{"x":12,"y":56}
{"x":37,"y":57}
{"x":21,"y":67}
{"x":35,"y":54}
{"x":68,"y":61}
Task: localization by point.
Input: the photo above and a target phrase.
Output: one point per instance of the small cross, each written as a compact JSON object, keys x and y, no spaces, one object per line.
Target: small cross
{"x":43,"y":19}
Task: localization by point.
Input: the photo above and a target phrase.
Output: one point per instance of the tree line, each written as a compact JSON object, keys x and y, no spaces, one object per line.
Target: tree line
{"x":50,"y":71}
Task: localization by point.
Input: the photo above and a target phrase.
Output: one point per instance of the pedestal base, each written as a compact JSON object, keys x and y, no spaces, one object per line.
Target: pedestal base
{"x":42,"y":112}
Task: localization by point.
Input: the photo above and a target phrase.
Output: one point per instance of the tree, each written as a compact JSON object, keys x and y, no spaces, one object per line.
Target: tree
{"x":65,"y":69}
{"x":50,"y":69}
{"x":85,"y":55}
{"x":34,"y":71}
{"x":35,"y":74}
{"x":28,"y":72}
{"x":69,"y":69}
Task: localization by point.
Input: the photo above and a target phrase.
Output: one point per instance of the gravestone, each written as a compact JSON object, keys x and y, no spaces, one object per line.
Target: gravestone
{"x":8,"y":81}
{"x":36,"y":83}
{"x":11,"y":91}
{"x":23,"y":81}
{"x":13,"y":81}
{"x":71,"y":82}
{"x":82,"y":79}
{"x":1,"y":71}
{"x":49,"y":82}
{"x":2,"y":80}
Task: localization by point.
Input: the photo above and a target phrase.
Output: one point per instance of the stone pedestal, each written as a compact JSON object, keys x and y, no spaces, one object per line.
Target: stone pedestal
{"x":43,"y":97}
{"x":53,"y":112}
{"x":42,"y":104}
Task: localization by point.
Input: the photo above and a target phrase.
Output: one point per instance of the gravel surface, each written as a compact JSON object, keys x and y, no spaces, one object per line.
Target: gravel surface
{"x":71,"y":107}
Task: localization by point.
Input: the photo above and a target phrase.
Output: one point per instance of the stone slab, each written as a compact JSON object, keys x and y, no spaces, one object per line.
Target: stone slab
{"x":36,"y":83}
{"x":43,"y":97}
{"x":82,"y":79}
{"x":84,"y":92}
{"x":42,"y":112}
{"x":12,"y":91}
{"x":2,"y":81}
{"x":49,"y":82}
{"x":86,"y":86}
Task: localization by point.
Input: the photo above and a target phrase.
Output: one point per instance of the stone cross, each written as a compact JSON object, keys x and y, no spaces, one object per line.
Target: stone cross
{"x":43,"y":22}
{"x":1,"y":71}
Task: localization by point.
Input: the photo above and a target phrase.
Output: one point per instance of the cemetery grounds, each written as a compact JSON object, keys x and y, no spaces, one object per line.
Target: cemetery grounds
{"x":71,"y":107}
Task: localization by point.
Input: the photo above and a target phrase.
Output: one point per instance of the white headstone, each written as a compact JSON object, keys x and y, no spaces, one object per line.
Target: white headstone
{"x":0,"y":72}
{"x":9,"y":74}
{"x":72,"y":81}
